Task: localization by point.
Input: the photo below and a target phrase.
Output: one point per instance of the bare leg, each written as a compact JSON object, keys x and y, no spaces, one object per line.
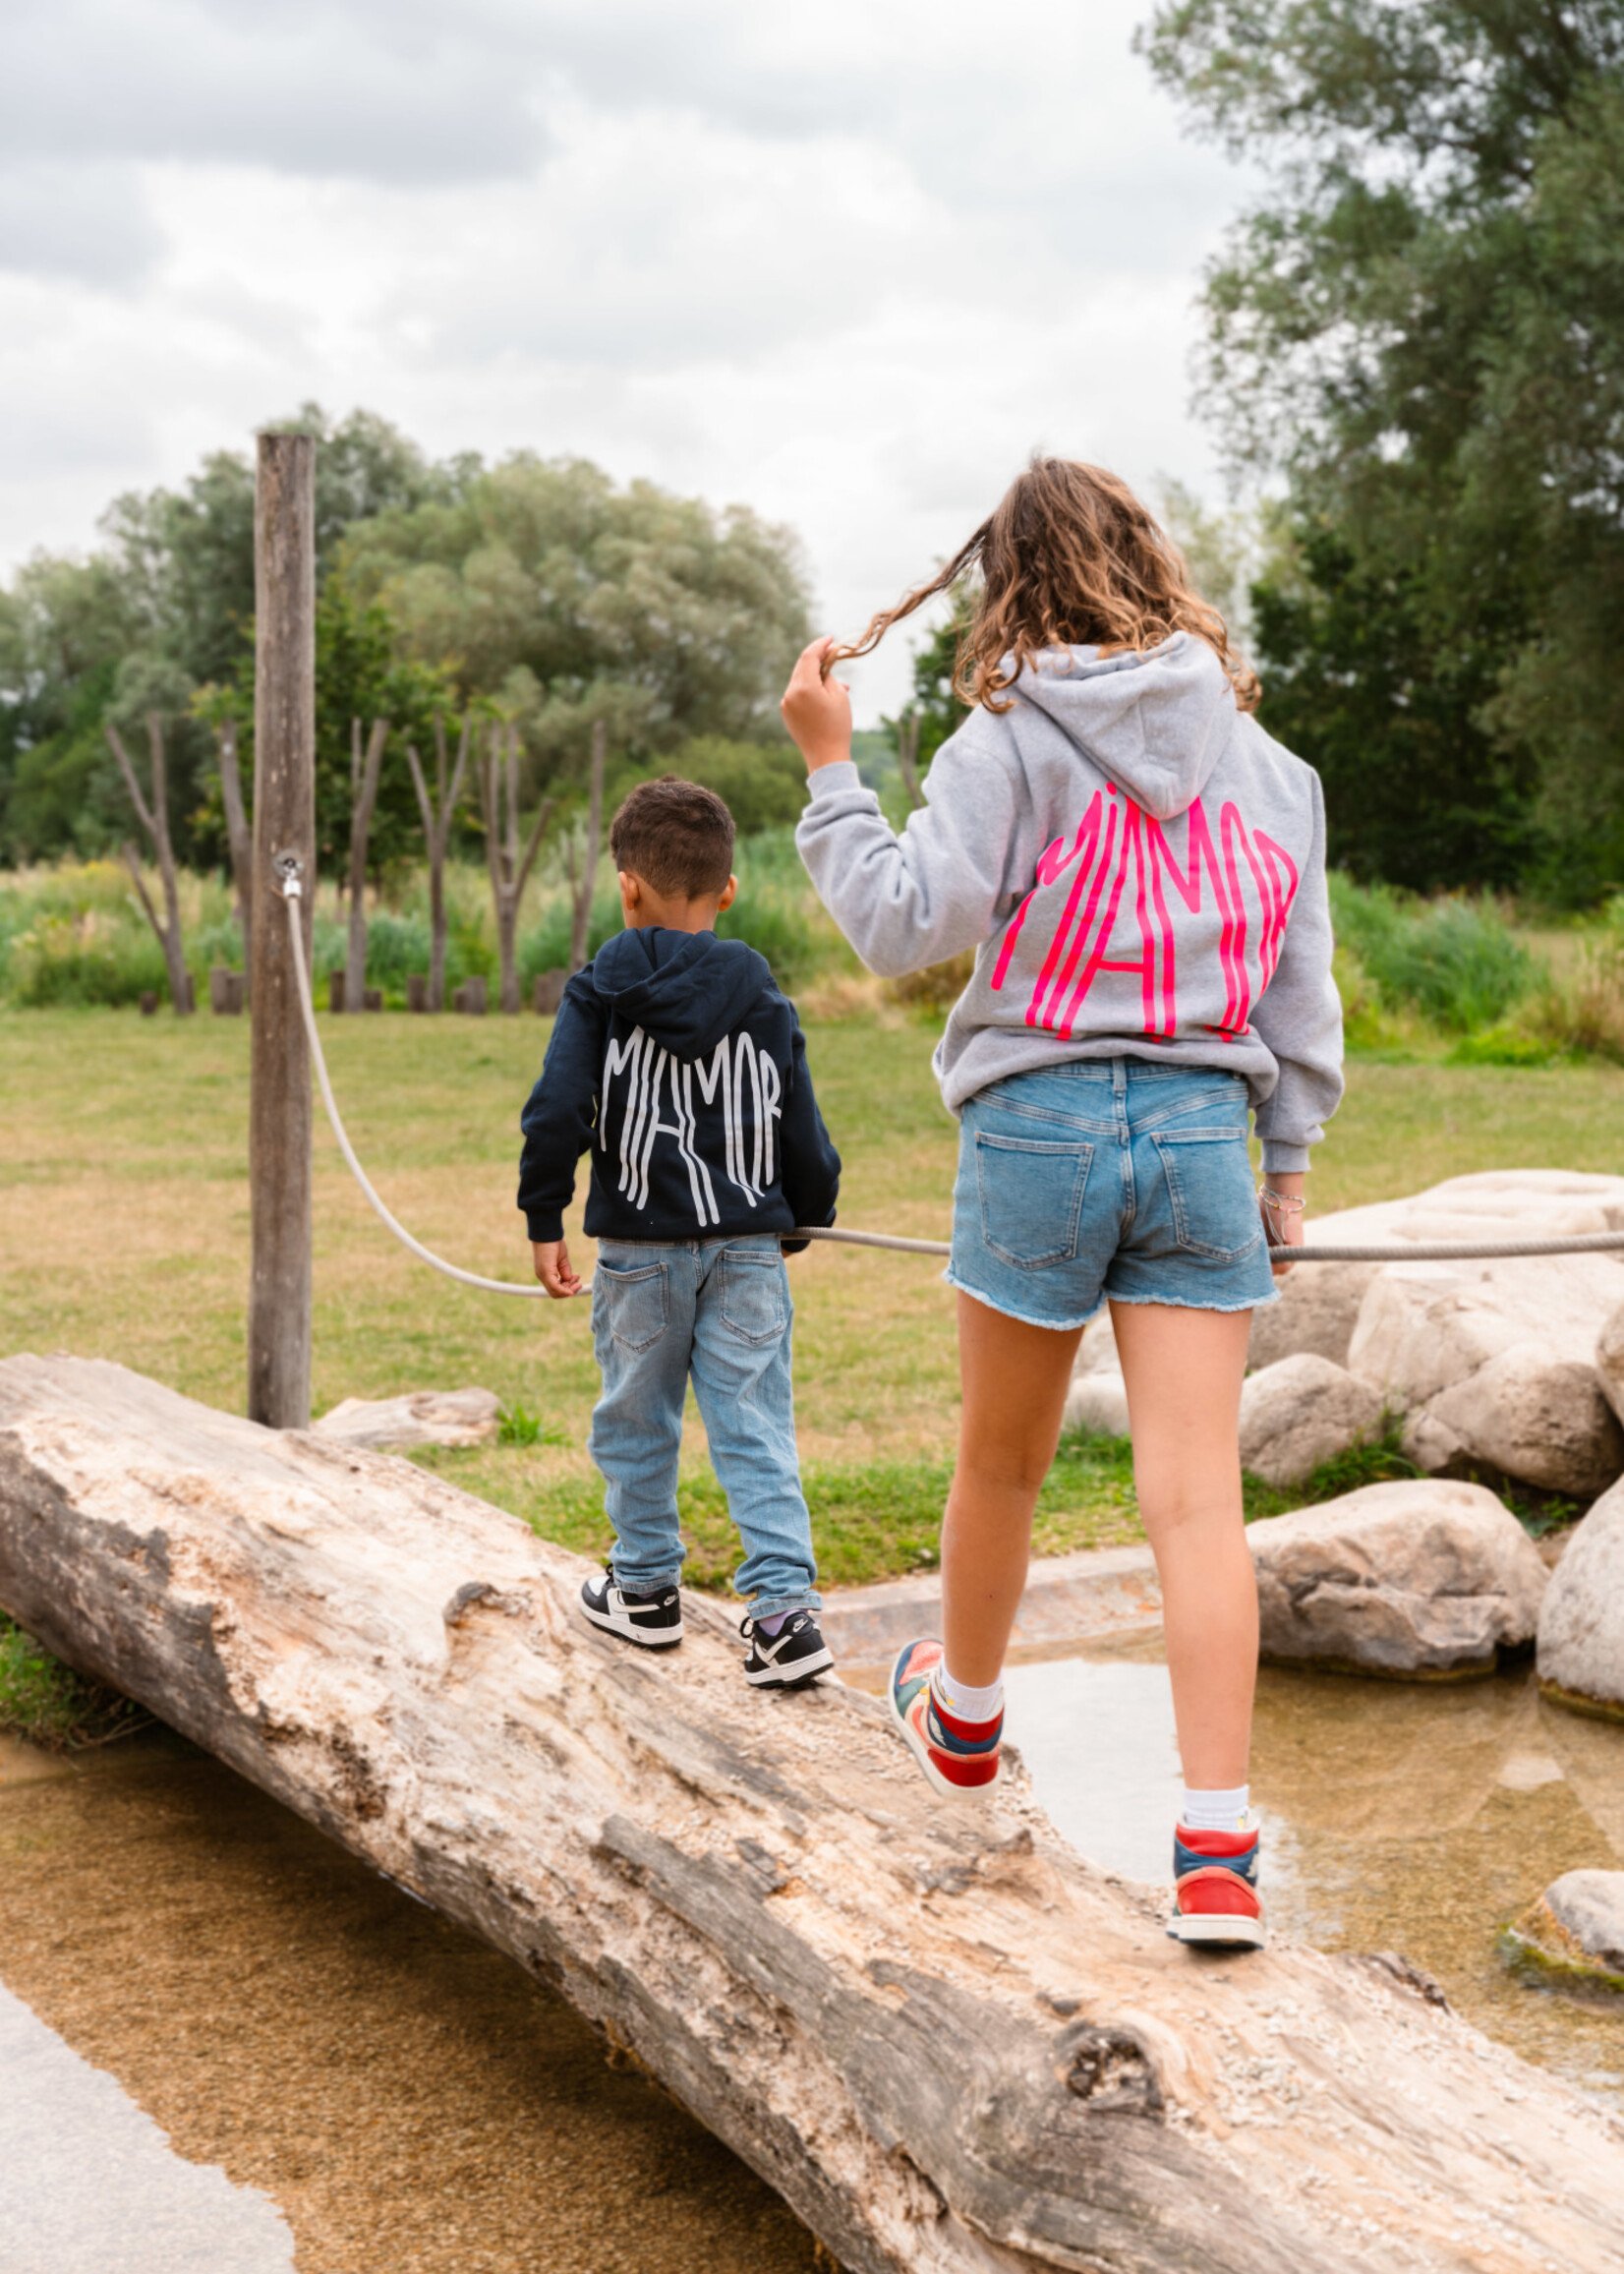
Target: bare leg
{"x":1015,"y":1379}
{"x":1183,"y":1370}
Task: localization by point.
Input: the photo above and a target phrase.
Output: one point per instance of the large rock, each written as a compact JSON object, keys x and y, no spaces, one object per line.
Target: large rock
{"x":1423,"y":1579}
{"x":1577,"y":1928}
{"x":1502,"y":1358}
{"x":1609,"y":1360}
{"x":1300,"y":1412}
{"x":1098,"y":1403}
{"x":1582,"y":1623}
{"x":1319,"y":1305}
{"x":465,"y":1416}
{"x":1097,"y":1351}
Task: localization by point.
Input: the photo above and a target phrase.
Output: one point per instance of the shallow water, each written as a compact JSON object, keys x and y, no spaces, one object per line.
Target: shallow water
{"x":1419,"y":1818}
{"x":398,"y":2096}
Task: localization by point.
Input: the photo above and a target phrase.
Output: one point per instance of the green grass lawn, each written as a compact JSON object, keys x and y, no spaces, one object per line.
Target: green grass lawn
{"x":124,"y":1234}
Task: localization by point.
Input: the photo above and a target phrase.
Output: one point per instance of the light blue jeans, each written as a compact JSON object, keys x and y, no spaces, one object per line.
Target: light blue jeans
{"x":717,"y":1311}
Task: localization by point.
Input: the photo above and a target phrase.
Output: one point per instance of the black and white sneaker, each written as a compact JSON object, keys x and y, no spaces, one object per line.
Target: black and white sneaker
{"x":787,"y":1661}
{"x":653,"y":1621}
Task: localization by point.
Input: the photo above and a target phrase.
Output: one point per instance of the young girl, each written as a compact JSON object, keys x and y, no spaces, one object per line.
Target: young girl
{"x":1141,"y":873}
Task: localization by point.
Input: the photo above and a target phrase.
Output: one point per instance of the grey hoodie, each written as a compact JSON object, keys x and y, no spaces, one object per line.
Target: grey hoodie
{"x":1140,"y":870}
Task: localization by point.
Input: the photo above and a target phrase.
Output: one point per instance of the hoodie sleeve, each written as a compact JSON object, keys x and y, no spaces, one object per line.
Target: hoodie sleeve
{"x":1300,"y":1018}
{"x":561,"y":1113}
{"x":810,"y":1170}
{"x":911,"y":900}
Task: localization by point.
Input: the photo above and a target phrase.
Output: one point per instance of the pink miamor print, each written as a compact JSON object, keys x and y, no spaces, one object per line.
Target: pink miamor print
{"x":1118,"y":852}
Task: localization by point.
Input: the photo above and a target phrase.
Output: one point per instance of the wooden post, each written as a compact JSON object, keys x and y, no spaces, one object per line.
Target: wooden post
{"x":284,"y":822}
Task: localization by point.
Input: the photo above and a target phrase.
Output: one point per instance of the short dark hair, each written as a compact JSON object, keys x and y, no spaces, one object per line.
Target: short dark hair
{"x":676,"y":836}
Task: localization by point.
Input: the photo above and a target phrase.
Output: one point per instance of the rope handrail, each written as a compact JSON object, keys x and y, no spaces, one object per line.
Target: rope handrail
{"x":1329,"y":1251}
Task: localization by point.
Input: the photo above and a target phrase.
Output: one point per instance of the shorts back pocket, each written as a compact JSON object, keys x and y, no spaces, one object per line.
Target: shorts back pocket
{"x":1209,"y":1185}
{"x":1030,"y":1190}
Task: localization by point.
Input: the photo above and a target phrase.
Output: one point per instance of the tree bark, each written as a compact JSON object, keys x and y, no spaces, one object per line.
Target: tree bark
{"x":580,"y":929}
{"x":155,"y":820}
{"x":364,"y":773}
{"x":284,"y":824}
{"x":952,"y":2044}
{"x":438,"y":813}
{"x":509,"y":870}
{"x":239,"y":834}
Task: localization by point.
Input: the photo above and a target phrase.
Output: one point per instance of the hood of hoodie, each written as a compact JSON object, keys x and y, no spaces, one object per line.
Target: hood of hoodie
{"x":1155,"y":724}
{"x":687,"y":989}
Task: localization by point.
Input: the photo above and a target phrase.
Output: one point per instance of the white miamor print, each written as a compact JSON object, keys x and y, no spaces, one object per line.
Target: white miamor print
{"x":660,"y":1095}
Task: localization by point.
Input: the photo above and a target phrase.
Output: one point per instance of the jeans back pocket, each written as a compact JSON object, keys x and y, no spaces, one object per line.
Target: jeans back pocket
{"x":636,"y":1302}
{"x":1030,"y":1190}
{"x":1210,"y":1186}
{"x":755,"y":1294}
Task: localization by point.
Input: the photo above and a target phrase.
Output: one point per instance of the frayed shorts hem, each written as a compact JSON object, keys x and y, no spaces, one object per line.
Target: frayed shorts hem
{"x":1188,"y":1302}
{"x":1004,"y":1311}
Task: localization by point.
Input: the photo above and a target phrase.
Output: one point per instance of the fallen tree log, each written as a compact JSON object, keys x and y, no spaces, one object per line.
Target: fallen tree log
{"x":951,"y":2042}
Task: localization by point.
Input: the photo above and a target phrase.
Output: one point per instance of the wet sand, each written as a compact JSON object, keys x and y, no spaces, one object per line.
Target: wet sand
{"x":409,"y":2100}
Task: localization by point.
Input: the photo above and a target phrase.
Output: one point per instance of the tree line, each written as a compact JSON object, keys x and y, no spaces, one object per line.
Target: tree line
{"x":525,"y":614}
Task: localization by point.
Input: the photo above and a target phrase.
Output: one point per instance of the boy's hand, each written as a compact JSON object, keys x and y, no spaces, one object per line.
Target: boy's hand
{"x":554,"y":1271}
{"x":817,"y":710}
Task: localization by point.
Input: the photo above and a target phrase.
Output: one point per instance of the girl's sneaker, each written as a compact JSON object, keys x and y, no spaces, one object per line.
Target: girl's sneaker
{"x":789,"y":1659}
{"x":957,"y":1756}
{"x":652,"y":1620}
{"x":1216,"y":1895}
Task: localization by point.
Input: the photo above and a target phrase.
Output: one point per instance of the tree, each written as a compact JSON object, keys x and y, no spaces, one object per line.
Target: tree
{"x":155,"y":820}
{"x":438,"y":810}
{"x":936,"y":710}
{"x":762,"y":783}
{"x":1421,"y":325}
{"x":365,"y":765}
{"x":497,"y":769}
{"x":583,"y":849}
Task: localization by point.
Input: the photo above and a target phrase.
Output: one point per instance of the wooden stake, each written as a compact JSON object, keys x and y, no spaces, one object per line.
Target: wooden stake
{"x":499,"y":778}
{"x":284,"y":824}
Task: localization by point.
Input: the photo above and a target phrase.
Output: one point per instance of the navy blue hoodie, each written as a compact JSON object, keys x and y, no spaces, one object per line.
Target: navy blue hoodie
{"x":677,"y":1061}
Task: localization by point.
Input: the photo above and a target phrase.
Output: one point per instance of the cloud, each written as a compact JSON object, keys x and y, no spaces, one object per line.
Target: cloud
{"x":846,"y":268}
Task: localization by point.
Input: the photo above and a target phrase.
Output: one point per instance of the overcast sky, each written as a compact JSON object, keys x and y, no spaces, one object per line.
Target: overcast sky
{"x":846,"y":263}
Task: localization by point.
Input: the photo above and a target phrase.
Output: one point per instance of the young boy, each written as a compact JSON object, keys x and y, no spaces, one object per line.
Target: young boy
{"x":679,"y":1064}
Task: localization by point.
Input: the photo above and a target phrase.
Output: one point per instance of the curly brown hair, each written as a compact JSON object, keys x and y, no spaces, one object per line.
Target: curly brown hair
{"x":1068,"y":557}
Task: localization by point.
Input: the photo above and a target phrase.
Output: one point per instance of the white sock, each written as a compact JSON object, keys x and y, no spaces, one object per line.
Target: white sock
{"x":1217,"y":1811}
{"x":963,"y":1700}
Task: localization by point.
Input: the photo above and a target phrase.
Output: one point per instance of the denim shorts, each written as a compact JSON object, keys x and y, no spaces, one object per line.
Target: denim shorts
{"x":1107,"y":1177}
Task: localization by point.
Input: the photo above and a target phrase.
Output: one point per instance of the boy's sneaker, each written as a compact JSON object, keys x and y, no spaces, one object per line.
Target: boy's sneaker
{"x":652,"y":1620}
{"x":796,"y":1655}
{"x":1216,"y":1895}
{"x":957,"y":1756}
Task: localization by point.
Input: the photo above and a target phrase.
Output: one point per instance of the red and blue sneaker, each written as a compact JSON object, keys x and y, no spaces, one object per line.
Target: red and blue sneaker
{"x":1215,"y":1896}
{"x":957,"y":1756}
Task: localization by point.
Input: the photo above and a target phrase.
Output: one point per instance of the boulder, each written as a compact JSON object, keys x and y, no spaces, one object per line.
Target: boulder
{"x":1098,"y":1403}
{"x":1419,"y":1579}
{"x":1097,"y":1351}
{"x":1577,"y":1928}
{"x":1300,"y":1412}
{"x":1503,"y":1357}
{"x":1319,"y":1305}
{"x":1581,"y":1624}
{"x":1609,"y":1360}
{"x":465,"y":1416}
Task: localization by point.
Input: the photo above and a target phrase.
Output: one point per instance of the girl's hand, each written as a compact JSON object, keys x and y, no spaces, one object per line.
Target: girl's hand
{"x":817,"y":710}
{"x":554,"y":1271}
{"x":1280,"y":1205}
